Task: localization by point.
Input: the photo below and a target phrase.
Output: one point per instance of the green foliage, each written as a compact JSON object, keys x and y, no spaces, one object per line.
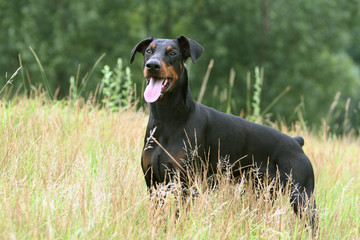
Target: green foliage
{"x":291,"y":40}
{"x":118,"y":88}
{"x":308,"y":46}
{"x":256,"y":117}
{"x":254,"y":112}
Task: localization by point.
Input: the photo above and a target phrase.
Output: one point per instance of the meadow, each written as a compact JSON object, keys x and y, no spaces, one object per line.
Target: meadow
{"x":69,"y":170}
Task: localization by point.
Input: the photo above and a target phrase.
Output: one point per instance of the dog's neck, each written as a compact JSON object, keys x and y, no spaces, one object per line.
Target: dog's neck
{"x":176,"y":105}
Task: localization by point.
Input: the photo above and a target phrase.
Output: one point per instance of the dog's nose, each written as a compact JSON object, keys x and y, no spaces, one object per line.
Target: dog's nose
{"x":153,"y":65}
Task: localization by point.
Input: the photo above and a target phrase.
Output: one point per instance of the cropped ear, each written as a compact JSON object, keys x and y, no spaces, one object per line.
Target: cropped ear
{"x":140,"y":47}
{"x":190,"y":48}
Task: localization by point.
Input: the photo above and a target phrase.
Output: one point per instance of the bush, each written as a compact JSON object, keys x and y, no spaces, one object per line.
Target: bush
{"x":117,"y":87}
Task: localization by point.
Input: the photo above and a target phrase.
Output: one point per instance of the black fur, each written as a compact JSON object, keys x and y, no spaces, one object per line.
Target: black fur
{"x":247,"y":144}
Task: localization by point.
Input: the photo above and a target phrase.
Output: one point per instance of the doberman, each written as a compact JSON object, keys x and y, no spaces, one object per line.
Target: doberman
{"x":174,"y":114}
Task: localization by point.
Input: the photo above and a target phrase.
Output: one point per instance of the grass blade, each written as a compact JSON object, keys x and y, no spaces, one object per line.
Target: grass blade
{"x":277,"y":98}
{"x":206,"y":78}
{"x":87,"y":76}
{"x":43,"y":75}
{"x":8,"y":82}
{"x":231,"y":85}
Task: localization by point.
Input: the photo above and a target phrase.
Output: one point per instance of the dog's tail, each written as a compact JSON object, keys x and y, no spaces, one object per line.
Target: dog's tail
{"x":300,"y":140}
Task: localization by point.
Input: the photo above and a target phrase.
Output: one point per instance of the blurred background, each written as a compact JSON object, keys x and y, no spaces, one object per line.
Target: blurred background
{"x":308,"y":51}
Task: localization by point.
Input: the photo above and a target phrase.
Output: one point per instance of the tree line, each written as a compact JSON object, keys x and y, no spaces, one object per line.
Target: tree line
{"x":309,"y":47}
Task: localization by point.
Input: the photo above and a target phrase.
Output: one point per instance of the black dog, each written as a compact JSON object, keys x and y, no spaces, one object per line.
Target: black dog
{"x":174,"y":114}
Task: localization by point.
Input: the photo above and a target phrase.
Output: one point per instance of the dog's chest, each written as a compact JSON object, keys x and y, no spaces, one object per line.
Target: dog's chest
{"x":168,"y":151}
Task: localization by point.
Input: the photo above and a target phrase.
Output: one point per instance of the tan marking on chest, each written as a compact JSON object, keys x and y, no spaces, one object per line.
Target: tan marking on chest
{"x":145,"y":161}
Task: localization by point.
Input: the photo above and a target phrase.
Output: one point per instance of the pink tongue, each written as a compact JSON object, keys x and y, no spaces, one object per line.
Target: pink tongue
{"x":153,"y":90}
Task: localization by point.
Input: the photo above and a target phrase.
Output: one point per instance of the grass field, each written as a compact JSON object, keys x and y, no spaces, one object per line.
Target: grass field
{"x":71,"y":172}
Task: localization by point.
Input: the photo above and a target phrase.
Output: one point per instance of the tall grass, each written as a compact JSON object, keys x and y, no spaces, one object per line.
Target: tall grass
{"x":71,"y":172}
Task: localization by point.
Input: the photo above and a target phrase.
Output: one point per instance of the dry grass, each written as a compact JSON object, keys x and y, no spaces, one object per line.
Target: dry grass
{"x":70,"y":172}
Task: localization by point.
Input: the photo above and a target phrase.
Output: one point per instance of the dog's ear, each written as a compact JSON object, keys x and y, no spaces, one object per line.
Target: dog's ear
{"x":140,"y":47}
{"x":190,"y":48}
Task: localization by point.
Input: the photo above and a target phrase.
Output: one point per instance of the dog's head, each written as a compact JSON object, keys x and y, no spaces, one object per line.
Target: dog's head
{"x":163,"y":63}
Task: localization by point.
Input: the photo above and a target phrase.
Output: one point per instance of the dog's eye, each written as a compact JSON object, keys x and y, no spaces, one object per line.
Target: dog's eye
{"x":172,"y":54}
{"x":148,"y":51}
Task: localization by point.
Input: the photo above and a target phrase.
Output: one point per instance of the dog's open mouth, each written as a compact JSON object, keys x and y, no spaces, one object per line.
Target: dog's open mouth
{"x":156,"y":87}
{"x":166,"y":85}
